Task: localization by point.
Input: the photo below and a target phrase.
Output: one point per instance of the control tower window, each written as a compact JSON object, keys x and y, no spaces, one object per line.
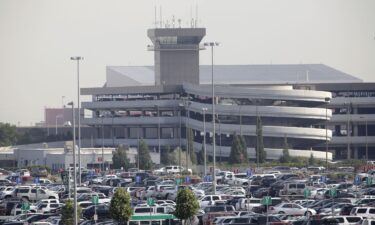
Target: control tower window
{"x":168,"y":40}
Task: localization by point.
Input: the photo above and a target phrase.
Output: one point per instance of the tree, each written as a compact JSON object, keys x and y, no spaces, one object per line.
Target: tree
{"x":67,"y":215}
{"x":191,"y":151}
{"x":285,"y":158}
{"x":145,"y":162}
{"x":167,"y":157}
{"x":243,"y":148}
{"x":164,"y":156}
{"x":235,"y":150}
{"x":311,"y":159}
{"x":8,"y":134}
{"x":200,"y":156}
{"x":120,"y":158}
{"x":172,"y":157}
{"x":120,"y":207}
{"x":260,"y":153}
{"x":186,"y":205}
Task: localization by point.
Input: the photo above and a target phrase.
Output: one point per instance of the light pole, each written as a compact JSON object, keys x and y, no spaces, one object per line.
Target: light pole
{"x":74,"y":166}
{"x":363,"y":117}
{"x":158,"y":115}
{"x":204,"y":141}
{"x":212,"y":45}
{"x":218,"y":120}
{"x":257,"y":132}
{"x":138,"y":148}
{"x":57,"y":116}
{"x":366,"y":141}
{"x":239,"y":110}
{"x":187,"y":138}
{"x":103,"y":169}
{"x":181,"y":105}
{"x":327,"y":100}
{"x":348,"y":111}
{"x":78,"y":58}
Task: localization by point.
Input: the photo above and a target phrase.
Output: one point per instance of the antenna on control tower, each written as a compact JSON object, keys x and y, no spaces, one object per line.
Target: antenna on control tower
{"x":161,"y":18}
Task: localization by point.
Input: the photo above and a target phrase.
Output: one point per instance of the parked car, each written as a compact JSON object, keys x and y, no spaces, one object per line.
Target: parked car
{"x":291,"y":209}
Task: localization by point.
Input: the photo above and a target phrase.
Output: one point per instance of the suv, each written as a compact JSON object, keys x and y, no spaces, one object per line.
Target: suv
{"x":368,"y":212}
{"x":34,"y":193}
{"x":293,"y":189}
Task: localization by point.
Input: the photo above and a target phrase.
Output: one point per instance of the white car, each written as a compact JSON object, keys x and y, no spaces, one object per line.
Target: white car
{"x":367,"y":222}
{"x":149,"y":192}
{"x":197,"y":192}
{"x":47,"y":207}
{"x":291,"y":209}
{"x":319,"y":193}
{"x":7,"y":192}
{"x":169,"y":169}
{"x":248,"y":204}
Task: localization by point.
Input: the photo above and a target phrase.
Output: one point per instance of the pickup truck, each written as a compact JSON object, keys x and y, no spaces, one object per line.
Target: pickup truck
{"x":238,"y":179}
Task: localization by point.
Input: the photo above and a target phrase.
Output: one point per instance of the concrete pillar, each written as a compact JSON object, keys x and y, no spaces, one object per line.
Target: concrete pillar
{"x":355,"y":152}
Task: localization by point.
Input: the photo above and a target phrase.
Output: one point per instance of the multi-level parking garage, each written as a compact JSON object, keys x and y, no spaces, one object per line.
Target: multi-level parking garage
{"x":160,"y":115}
{"x":353,"y":119}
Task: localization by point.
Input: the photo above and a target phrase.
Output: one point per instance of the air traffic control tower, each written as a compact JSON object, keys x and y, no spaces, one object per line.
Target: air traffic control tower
{"x":176,"y":54}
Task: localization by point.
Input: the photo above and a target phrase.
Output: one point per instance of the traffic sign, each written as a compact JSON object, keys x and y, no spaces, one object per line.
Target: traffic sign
{"x":150,"y":201}
{"x":95,"y":199}
{"x":357,"y":180}
{"x":249,"y":173}
{"x":306,"y":193}
{"x":25,"y":206}
{"x":332,"y":192}
{"x":178,"y":181}
{"x":323,"y":179}
{"x":138,"y":179}
{"x":369,"y":181}
{"x":187,"y":179}
{"x":18,"y":180}
{"x":266,"y":200}
{"x":207,"y":178}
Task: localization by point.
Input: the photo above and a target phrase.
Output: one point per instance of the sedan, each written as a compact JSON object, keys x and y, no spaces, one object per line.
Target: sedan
{"x":291,"y":209}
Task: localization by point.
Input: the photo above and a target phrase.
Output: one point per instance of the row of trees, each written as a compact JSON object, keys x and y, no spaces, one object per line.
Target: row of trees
{"x":10,"y":136}
{"x":120,"y":210}
{"x":238,"y":153}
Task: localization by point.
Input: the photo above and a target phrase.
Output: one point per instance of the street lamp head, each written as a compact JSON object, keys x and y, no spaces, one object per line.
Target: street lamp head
{"x":71,"y":103}
{"x":76,"y":58}
{"x":67,"y":124}
{"x":204,"y":109}
{"x":211,"y":44}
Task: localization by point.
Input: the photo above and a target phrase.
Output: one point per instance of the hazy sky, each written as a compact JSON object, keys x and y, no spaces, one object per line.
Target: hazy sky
{"x":37,"y":38}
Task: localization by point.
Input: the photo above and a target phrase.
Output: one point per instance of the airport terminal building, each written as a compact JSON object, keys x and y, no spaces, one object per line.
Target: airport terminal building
{"x":298,"y":102}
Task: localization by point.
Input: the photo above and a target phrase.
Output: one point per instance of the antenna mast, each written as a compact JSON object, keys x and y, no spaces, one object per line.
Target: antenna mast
{"x":161,"y":18}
